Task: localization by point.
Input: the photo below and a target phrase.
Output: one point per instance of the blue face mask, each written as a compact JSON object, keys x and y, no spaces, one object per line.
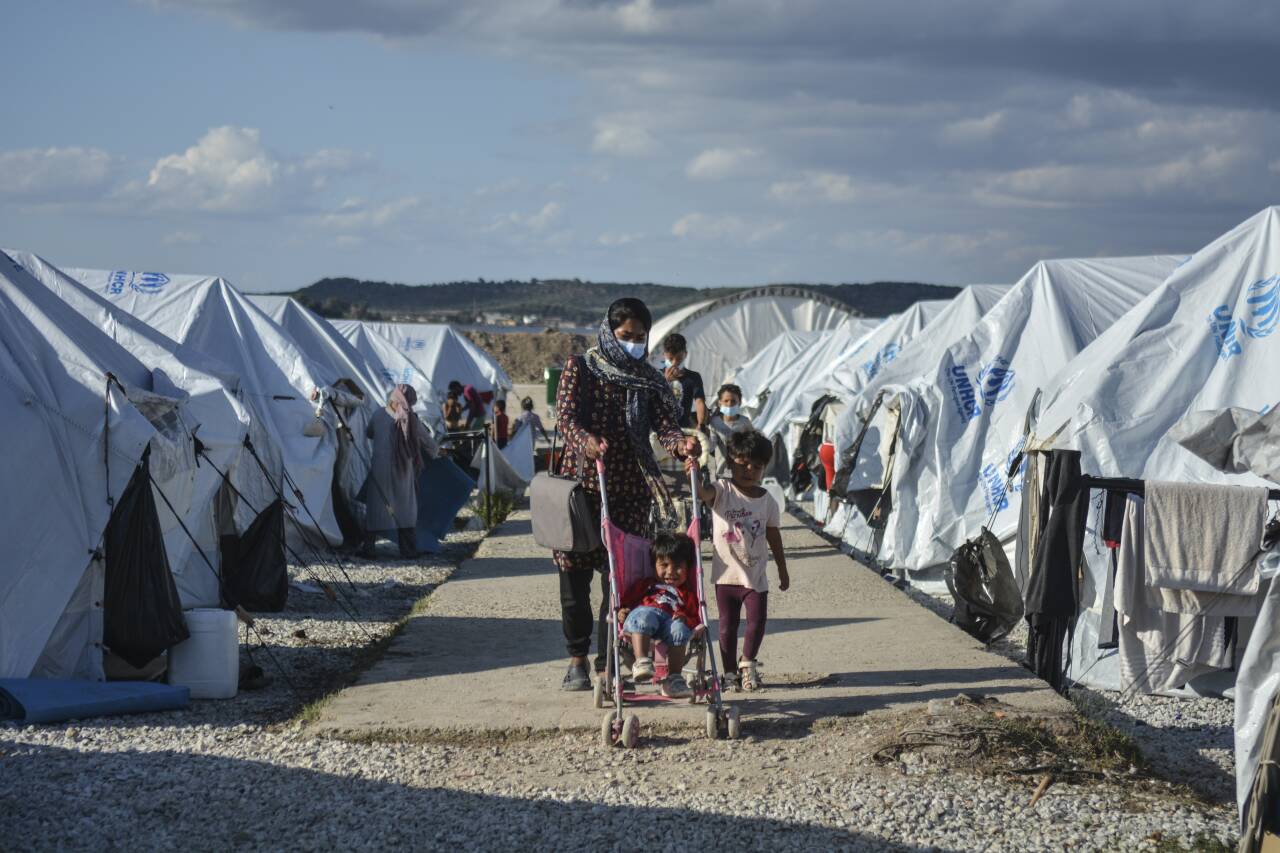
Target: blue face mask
{"x":666,"y":362}
{"x":636,"y":351}
{"x":731,"y":411}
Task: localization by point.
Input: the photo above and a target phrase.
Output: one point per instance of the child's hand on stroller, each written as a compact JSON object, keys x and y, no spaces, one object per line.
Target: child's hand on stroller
{"x":699,"y":631}
{"x":622,"y":614}
{"x":690,"y":462}
{"x":595,"y":448}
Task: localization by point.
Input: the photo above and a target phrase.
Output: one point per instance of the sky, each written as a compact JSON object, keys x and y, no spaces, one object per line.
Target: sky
{"x":696,"y":142}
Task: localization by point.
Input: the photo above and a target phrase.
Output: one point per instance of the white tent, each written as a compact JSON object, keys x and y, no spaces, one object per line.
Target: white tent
{"x":786,"y":390}
{"x":962,"y":424}
{"x":849,"y":369}
{"x":324,"y":344}
{"x":723,"y":334}
{"x":1202,"y":341}
{"x":276,"y":377}
{"x":753,"y":377}
{"x":914,"y":362}
{"x":72,"y":442}
{"x":439,"y":352}
{"x":211,"y":412}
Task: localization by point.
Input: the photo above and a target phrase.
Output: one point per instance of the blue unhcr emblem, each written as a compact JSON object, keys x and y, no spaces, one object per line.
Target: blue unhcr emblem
{"x":141,"y":282}
{"x":1264,"y":307}
{"x":996,"y":381}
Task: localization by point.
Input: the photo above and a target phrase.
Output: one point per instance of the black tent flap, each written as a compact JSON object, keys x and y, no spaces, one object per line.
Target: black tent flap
{"x":142,"y":611}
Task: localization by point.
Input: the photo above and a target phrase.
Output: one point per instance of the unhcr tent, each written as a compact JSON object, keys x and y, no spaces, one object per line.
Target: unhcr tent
{"x":848,"y":369}
{"x":321,"y":342}
{"x":211,"y":412}
{"x":439,"y":352}
{"x":873,"y":456}
{"x":1204,"y":341}
{"x":74,"y":440}
{"x":784,"y":388}
{"x":724,"y":333}
{"x":960,"y":426}
{"x":276,"y":379}
{"x":753,"y":377}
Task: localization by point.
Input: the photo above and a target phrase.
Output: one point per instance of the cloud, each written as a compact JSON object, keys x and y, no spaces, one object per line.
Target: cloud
{"x":55,"y":174}
{"x":229,"y":170}
{"x":357,"y":214}
{"x":183,"y":238}
{"x":824,"y":187}
{"x":611,"y":238}
{"x":700,"y":226}
{"x":974,"y":129}
{"x":715,"y":163}
{"x":908,"y":243}
{"x":623,"y":136}
{"x":537,"y":221}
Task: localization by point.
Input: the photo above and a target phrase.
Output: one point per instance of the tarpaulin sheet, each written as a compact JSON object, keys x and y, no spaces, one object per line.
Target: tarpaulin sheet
{"x":49,"y":700}
{"x":443,"y":489}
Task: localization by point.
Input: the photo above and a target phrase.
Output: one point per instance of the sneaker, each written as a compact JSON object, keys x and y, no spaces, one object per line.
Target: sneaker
{"x":750,"y":675}
{"x":675,"y":687}
{"x":642,"y":670}
{"x":576,"y":678}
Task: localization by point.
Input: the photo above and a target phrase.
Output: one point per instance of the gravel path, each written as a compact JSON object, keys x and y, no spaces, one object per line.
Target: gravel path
{"x":247,"y":773}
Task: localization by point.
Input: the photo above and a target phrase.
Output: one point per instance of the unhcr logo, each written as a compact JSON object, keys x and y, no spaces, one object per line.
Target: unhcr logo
{"x":883,"y":358}
{"x":993,"y":383}
{"x":141,"y":282}
{"x":1262,"y":309}
{"x":994,"y":493}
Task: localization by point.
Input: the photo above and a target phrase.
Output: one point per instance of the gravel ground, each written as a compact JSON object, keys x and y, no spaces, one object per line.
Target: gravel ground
{"x":249,"y":773}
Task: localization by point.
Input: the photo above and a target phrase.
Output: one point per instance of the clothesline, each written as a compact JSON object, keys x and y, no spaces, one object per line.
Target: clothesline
{"x":1137,"y":487}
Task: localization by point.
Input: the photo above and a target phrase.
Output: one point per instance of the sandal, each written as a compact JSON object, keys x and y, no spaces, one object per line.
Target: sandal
{"x":750,"y":674}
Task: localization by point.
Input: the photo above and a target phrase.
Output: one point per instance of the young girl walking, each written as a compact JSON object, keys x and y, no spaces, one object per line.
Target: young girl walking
{"x":744,"y":530}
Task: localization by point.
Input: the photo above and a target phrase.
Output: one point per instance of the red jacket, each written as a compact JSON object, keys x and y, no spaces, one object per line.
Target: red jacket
{"x":680,"y":601}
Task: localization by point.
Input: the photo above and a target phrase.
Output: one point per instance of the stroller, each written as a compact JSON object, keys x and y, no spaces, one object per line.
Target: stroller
{"x":630,"y":561}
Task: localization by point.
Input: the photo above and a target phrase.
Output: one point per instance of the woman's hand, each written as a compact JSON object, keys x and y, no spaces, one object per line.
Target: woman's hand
{"x":315,"y":394}
{"x":595,"y":448}
{"x":692,"y":448}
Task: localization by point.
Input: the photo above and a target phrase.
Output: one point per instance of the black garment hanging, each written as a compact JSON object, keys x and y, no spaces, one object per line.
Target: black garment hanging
{"x":1052,"y":590}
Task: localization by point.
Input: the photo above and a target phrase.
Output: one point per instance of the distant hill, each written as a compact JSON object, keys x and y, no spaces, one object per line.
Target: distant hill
{"x":567,"y":301}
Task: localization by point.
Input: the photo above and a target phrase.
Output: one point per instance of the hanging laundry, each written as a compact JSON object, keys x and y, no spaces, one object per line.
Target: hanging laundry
{"x":1204,"y":538}
{"x":1159,"y":651}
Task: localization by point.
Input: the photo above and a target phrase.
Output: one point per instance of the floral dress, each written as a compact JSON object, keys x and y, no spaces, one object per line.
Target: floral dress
{"x":588,"y":406}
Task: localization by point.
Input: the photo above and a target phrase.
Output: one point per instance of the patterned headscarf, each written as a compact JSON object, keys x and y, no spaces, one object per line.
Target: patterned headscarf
{"x":645,"y":387}
{"x":404,"y":446}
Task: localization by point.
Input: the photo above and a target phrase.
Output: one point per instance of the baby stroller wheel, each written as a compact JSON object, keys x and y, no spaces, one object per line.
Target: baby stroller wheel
{"x":598,"y":692}
{"x":630,"y":732}
{"x":732,"y":723}
{"x":713,"y":724}
{"x":607,"y":736}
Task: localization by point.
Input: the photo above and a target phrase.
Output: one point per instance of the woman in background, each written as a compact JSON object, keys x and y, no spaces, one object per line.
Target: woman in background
{"x":401,"y":445}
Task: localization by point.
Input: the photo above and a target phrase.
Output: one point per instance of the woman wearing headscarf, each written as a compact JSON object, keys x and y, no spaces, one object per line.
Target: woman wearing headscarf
{"x":608,"y":402}
{"x":401,"y":445}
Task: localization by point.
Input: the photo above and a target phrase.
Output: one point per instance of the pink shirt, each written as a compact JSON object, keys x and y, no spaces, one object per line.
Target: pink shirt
{"x":738,"y":525}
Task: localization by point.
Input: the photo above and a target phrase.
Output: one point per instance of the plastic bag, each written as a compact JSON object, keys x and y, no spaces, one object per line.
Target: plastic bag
{"x":255,"y":575}
{"x":142,"y":612}
{"x":987,"y":601}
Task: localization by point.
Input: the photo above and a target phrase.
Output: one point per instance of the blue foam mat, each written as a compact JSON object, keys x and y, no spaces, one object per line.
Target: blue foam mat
{"x":52,"y":700}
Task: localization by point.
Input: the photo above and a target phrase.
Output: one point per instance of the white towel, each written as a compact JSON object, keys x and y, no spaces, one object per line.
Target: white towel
{"x":1204,"y":538}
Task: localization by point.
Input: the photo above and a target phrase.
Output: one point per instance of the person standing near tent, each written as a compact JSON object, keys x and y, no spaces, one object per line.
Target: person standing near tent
{"x":608,"y":402}
{"x":473,"y":401}
{"x":401,"y":445}
{"x":686,"y":384}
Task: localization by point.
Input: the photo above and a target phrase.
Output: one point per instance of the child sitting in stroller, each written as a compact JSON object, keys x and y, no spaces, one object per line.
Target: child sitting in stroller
{"x":664,"y":608}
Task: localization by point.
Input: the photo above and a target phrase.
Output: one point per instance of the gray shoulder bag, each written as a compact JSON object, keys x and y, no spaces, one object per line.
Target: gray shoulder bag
{"x":562,"y":516}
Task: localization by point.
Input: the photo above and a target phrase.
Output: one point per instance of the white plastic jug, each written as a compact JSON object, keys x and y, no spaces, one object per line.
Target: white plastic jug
{"x":208,"y":663}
